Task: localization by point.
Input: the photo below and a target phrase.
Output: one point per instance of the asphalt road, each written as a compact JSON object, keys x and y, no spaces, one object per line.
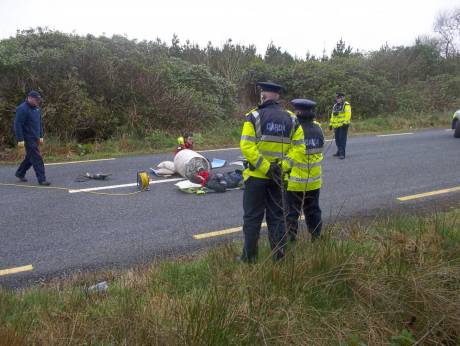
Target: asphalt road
{"x":57,"y":232}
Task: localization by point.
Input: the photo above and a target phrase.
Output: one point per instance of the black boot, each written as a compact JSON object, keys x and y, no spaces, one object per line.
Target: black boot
{"x":21,"y":179}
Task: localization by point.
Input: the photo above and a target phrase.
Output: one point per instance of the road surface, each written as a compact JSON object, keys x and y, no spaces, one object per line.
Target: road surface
{"x":48,"y":232}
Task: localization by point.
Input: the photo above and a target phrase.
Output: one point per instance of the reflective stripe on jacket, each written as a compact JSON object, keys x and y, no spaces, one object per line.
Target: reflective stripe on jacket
{"x":271,"y":134}
{"x":343,"y":117}
{"x":308,"y":176}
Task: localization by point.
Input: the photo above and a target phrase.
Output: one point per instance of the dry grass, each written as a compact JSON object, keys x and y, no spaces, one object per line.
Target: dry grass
{"x":392,"y":282}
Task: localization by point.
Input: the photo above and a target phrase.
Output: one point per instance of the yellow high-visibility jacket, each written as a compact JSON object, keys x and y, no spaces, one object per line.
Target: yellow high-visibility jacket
{"x":271,"y":134}
{"x":309,"y":168}
{"x":343,"y":117}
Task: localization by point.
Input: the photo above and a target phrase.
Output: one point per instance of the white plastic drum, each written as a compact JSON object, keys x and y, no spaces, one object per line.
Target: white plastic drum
{"x":188,"y":162}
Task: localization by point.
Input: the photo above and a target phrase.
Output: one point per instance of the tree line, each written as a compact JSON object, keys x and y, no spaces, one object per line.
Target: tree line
{"x":101,"y":87}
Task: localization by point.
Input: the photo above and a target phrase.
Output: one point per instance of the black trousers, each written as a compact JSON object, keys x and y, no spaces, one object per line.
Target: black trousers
{"x":33,"y":159}
{"x":263,"y":197}
{"x":341,"y":134}
{"x":307,"y":201}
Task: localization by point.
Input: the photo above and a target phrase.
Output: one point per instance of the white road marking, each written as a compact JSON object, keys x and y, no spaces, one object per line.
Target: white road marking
{"x":448,"y":130}
{"x":74,"y":162}
{"x":111,"y":187}
{"x":210,"y":150}
{"x":396,"y":134}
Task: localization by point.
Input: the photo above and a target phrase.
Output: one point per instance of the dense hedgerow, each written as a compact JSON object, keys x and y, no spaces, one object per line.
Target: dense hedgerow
{"x":100,"y":87}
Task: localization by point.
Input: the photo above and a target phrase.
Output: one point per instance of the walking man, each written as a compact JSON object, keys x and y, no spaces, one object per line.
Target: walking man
{"x":28,"y":129}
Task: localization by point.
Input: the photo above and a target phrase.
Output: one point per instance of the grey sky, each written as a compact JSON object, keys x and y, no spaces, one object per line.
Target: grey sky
{"x":294,"y":25}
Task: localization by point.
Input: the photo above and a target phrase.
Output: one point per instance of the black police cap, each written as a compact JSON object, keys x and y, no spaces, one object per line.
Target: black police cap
{"x":303,"y":104}
{"x":34,"y":94}
{"x":339,"y":94}
{"x":270,"y":86}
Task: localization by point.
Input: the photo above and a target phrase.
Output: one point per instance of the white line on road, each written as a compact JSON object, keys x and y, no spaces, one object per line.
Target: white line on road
{"x":207,"y":151}
{"x":448,"y":130}
{"x":73,"y":162}
{"x":396,"y":134}
{"x":123,"y":185}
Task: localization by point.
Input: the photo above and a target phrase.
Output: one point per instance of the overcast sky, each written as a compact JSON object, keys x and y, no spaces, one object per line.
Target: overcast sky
{"x":296,"y":26}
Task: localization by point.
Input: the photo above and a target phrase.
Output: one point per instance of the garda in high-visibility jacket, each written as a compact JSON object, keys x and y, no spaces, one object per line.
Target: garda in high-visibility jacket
{"x":340,"y":115}
{"x":267,"y":137}
{"x":308,"y":172}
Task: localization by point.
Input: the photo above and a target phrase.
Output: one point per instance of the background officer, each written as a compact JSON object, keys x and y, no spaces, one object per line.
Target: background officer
{"x":340,"y":121}
{"x":271,"y":141}
{"x":29,"y":134}
{"x":303,"y":189}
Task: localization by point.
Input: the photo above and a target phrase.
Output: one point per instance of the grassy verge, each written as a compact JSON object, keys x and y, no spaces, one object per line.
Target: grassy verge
{"x":401,"y":123}
{"x":392,"y":282}
{"x":219,"y":135}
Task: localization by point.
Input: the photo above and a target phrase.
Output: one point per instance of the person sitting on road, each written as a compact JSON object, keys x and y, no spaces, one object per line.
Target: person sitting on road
{"x":167,"y":168}
{"x":185,"y":142}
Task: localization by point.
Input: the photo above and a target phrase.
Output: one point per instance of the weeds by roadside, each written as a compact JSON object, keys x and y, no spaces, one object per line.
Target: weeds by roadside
{"x":395,"y":281}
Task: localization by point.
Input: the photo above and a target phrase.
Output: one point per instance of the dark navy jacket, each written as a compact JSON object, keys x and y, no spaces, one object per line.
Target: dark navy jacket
{"x":313,"y":134}
{"x":273,"y":124}
{"x":28,"y":123}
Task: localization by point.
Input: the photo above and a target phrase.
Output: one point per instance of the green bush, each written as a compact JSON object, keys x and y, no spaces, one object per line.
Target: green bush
{"x":97,"y":88}
{"x":159,"y":139}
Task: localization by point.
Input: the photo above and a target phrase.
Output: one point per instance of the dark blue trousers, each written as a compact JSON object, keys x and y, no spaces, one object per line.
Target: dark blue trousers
{"x":341,"y":134}
{"x":263,"y":197}
{"x":33,"y":159}
{"x":308,"y":202}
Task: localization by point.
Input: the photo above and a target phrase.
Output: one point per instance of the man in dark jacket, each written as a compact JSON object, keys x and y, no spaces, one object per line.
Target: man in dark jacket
{"x":29,"y":134}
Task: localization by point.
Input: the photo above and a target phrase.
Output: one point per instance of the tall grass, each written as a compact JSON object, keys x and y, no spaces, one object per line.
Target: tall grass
{"x":392,"y":282}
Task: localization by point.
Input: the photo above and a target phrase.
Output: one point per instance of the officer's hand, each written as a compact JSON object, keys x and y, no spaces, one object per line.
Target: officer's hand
{"x":274,"y":172}
{"x":41,"y":141}
{"x":246,"y":164}
{"x":330,"y":127}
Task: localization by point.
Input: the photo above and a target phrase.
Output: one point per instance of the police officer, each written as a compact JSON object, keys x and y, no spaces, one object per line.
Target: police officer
{"x":340,"y":121}
{"x":29,"y":134}
{"x":303,"y":191}
{"x":271,"y":141}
